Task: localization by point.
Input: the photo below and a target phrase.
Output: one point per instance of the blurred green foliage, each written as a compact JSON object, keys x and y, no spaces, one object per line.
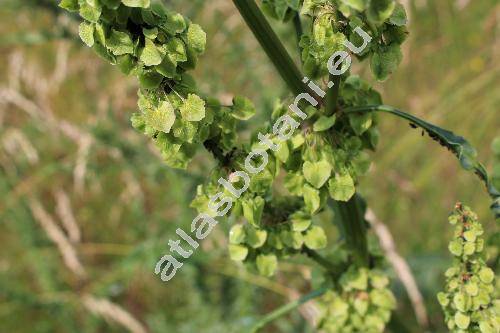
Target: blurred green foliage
{"x":64,"y":127}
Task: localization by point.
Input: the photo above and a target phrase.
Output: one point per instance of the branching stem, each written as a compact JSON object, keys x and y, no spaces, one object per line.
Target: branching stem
{"x":272,"y":45}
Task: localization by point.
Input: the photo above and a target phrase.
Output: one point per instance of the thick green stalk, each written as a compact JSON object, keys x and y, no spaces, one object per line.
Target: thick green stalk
{"x":353,"y":227}
{"x":297,"y":24}
{"x":272,"y":45}
{"x":349,"y":214}
{"x":332,"y":96}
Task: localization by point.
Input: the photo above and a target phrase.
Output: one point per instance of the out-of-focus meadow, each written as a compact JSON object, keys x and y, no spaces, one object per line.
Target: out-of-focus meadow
{"x":75,"y":179}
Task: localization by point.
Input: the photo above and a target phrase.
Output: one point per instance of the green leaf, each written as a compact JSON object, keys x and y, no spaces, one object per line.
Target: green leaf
{"x":168,"y":67}
{"x":177,"y":50}
{"x":321,"y":26}
{"x":100,"y":35}
{"x":361,"y":306}
{"x":355,"y":279}
{"x":149,"y":79}
{"x":315,"y":238}
{"x":461,"y":148}
{"x":460,"y":302}
{"x":126,"y":63}
{"x":120,"y":43}
{"x":175,"y":24}
{"x":161,"y":119}
{"x":324,"y":123}
{"x":312,"y":199}
{"x":398,"y":17}
{"x":70,"y":5}
{"x":339,"y":307}
{"x":471,"y":288}
{"x":86,"y":32}
{"x":443,"y":299}
{"x":197,"y":38}
{"x":256,"y":237}
{"x":380,"y":10}
{"x":383,"y":298}
{"x":359,"y":5}
{"x":252,"y":210}
{"x":462,"y":320}
{"x":185,"y":130}
{"x":150,"y":54}
{"x":469,"y":248}
{"x":103,"y":52}
{"x":360,"y":123}
{"x":237,"y":234}
{"x":317,"y":173}
{"x":267,"y":264}
{"x":294,"y":182}
{"x":485,"y":327}
{"x":486,"y":275}
{"x":385,"y":61}
{"x":455,"y":248}
{"x":341,"y":187}
{"x":150,"y":33}
{"x":89,"y":13}
{"x":292,"y":239}
{"x":242,"y":108}
{"x":374,"y":322}
{"x":300,"y":221}
{"x":283,"y":152}
{"x":378,"y":279}
{"x":237,"y":252}
{"x":137,"y":3}
{"x":470,"y":236}
{"x":193,"y":108}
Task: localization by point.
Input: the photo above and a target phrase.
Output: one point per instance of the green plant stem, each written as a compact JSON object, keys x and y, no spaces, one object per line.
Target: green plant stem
{"x":332,"y":96}
{"x":315,"y":256}
{"x":353,"y":227}
{"x":272,"y":45}
{"x":286,"y":309}
{"x":349,"y":214}
{"x":297,"y":24}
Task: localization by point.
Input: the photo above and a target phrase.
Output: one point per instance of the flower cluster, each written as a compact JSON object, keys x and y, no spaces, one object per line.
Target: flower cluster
{"x":469,"y":301}
{"x":335,"y":21}
{"x":362,"y":303}
{"x":158,"y":47}
{"x":263,"y":245}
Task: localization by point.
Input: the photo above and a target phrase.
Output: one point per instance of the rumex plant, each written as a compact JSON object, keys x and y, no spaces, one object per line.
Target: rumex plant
{"x":322,"y":163}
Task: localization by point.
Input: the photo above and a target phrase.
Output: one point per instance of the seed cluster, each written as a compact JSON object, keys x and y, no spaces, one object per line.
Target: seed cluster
{"x":159,"y":47}
{"x":335,"y":21}
{"x":469,"y":301}
{"x":362,"y":303}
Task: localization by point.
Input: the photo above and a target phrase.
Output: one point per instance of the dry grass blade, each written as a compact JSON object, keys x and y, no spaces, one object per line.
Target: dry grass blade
{"x":112,"y":312}
{"x":65,"y":247}
{"x":400,"y":266}
{"x":65,"y":214}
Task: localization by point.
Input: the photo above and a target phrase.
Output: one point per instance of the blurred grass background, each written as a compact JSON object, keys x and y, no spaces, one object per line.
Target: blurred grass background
{"x":68,"y":156}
